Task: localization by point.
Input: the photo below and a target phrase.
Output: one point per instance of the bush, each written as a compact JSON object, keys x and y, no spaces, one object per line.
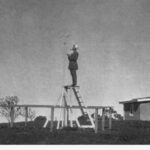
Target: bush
{"x":39,"y":121}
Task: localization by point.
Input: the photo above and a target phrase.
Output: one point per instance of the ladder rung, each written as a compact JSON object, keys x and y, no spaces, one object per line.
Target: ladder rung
{"x":77,"y":92}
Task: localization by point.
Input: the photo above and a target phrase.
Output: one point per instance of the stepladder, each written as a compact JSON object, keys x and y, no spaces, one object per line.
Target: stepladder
{"x":84,"y":120}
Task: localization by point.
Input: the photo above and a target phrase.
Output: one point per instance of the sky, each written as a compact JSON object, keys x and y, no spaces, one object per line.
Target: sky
{"x":114,"y":49}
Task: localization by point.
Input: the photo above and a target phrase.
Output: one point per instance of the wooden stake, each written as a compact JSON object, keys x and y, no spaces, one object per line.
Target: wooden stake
{"x":52,"y":119}
{"x":12,"y":116}
{"x":110,"y":118}
{"x":67,"y":121}
{"x":71,"y":121}
{"x":103,"y":119}
{"x":64,"y":112}
{"x":26,"y":115}
{"x":96,"y":120}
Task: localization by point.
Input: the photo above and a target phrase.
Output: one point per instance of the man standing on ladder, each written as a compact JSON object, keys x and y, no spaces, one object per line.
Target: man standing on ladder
{"x":73,"y":65}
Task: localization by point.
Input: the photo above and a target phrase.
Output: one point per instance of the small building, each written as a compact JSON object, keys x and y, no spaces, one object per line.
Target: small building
{"x":137,"y":109}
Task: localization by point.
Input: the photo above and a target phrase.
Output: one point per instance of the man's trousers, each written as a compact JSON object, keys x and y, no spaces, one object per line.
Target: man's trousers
{"x":74,"y":76}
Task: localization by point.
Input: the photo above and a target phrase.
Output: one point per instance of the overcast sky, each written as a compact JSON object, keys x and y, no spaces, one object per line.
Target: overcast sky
{"x":114,"y":55}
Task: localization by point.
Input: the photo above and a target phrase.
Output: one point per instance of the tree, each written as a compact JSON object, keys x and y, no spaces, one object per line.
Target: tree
{"x":7,"y":104}
{"x":118,"y":116}
{"x":115,"y":115}
{"x":31,"y":114}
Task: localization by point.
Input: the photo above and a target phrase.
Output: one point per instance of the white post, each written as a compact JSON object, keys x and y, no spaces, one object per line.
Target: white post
{"x":65,"y":112}
{"x":71,"y":120}
{"x":64,"y":115}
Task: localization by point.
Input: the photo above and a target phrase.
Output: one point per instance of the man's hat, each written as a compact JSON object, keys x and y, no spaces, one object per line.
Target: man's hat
{"x":75,"y":46}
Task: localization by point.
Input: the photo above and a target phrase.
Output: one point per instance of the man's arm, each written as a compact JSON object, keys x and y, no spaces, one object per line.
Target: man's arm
{"x":73,"y":56}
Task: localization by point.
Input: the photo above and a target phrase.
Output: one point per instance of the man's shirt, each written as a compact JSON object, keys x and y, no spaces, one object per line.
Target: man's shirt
{"x":73,"y":60}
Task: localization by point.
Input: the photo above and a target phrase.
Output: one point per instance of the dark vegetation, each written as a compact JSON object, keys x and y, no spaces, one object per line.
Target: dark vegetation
{"x":123,"y":132}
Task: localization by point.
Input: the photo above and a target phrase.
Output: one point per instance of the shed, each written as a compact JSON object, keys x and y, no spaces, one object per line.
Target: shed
{"x":137,"y":109}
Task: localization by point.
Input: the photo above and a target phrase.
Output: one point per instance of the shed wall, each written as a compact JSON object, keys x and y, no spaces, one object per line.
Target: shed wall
{"x":145,"y":111}
{"x":135,"y":115}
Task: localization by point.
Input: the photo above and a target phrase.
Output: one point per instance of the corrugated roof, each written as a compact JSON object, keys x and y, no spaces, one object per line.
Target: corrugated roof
{"x":144,"y":99}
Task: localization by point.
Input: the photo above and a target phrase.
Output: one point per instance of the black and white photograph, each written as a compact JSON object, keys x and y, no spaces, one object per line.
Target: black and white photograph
{"x":74,"y":72}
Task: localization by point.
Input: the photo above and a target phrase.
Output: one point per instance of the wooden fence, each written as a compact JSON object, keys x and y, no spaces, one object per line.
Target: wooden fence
{"x":53,"y":107}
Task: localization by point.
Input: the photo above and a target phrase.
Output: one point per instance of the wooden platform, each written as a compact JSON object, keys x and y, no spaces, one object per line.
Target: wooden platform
{"x":70,"y":86}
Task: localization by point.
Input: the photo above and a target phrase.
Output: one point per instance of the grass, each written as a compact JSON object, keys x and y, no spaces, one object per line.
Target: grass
{"x":123,"y":132}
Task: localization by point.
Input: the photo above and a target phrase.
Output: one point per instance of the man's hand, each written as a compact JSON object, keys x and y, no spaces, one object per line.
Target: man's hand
{"x":69,"y":53}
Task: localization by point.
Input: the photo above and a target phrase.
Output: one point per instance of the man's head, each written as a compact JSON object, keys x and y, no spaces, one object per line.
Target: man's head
{"x":75,"y":47}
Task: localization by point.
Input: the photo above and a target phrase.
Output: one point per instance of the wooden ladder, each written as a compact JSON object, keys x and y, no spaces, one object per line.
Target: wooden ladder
{"x":81,"y":104}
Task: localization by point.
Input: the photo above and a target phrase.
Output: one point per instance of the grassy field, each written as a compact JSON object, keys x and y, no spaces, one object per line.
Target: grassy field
{"x":123,"y":132}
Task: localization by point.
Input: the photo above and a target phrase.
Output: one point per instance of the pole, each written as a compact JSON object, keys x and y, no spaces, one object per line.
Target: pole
{"x":67,"y":122}
{"x":11,"y":116}
{"x":26,"y":115}
{"x":96,"y":120}
{"x":71,"y":121}
{"x":64,"y":115}
{"x":52,"y":119}
{"x":103,"y":119}
{"x":110,"y":118}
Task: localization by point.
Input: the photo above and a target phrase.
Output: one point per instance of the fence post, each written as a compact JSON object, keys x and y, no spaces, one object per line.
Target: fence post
{"x":96,"y":120}
{"x":71,"y":121}
{"x":26,"y":115}
{"x":103,"y":119}
{"x":11,"y":116}
{"x":64,"y":112}
{"x":52,"y":119}
{"x":110,"y":118}
{"x":67,"y":118}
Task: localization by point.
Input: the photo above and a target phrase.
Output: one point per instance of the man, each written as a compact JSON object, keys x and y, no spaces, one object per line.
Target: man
{"x":73,"y":66}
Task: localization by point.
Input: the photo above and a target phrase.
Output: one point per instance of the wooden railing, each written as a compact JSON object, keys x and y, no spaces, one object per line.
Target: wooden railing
{"x":53,"y":107}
